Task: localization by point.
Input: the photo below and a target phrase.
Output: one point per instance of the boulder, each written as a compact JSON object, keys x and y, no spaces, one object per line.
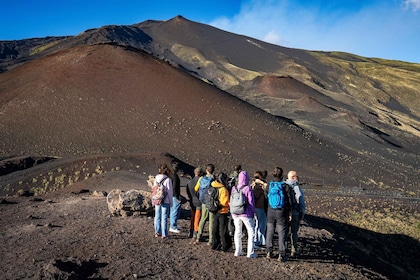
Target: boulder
{"x":129,"y":203}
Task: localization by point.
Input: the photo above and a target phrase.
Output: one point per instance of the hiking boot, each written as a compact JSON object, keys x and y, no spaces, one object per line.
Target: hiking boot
{"x":283,"y":259}
{"x":269,"y":255}
{"x":191,"y":234}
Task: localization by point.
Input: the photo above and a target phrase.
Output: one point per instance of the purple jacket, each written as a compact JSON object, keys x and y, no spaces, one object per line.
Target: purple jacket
{"x":243,"y":182}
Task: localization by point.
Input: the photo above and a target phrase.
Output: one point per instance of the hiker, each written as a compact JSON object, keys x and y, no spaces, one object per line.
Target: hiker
{"x":278,"y":213}
{"x":201,"y":187}
{"x":176,"y":200}
{"x":298,"y":209}
{"x":162,"y":210}
{"x":233,"y":181}
{"x":221,"y":238}
{"x":258,"y":188}
{"x":195,"y":203}
{"x":246,"y":218}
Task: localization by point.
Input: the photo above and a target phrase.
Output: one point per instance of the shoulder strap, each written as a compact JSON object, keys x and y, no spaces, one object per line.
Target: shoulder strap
{"x":163,"y":180}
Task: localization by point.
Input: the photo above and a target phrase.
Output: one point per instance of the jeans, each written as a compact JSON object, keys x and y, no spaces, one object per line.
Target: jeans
{"x":260,"y":226}
{"x":205,"y":214}
{"x":280,"y":218}
{"x":249,"y":224}
{"x":161,"y":219}
{"x":175,"y":211}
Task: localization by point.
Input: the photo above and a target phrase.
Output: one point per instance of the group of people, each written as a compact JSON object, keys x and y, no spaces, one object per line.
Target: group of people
{"x":211,"y":197}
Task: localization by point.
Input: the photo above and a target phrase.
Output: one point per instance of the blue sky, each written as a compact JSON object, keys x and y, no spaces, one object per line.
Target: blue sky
{"x":387,"y":29}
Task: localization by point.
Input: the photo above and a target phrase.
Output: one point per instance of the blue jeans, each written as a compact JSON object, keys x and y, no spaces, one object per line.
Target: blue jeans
{"x":161,"y":219}
{"x":175,"y":211}
{"x":260,"y":226}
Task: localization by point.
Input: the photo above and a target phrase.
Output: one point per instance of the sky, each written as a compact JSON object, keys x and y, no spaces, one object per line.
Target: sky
{"x":388,"y":29}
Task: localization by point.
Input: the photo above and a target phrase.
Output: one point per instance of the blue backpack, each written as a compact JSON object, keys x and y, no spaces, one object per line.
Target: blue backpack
{"x":276,"y":198}
{"x":204,"y":186}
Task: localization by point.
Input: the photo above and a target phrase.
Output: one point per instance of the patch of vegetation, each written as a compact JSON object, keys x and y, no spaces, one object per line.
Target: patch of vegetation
{"x":42,"y":48}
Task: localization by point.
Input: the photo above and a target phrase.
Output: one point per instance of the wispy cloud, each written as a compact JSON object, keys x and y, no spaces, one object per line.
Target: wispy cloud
{"x":412,"y":4}
{"x":371,"y":28}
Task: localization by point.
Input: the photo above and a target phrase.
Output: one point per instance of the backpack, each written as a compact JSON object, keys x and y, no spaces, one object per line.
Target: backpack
{"x":231,"y":183}
{"x":237,"y":202}
{"x":204,"y":185}
{"x":276,"y":198}
{"x":212,"y":199}
{"x":158,"y":192}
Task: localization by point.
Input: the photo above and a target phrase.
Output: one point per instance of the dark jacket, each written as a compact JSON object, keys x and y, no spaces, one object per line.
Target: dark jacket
{"x":192,"y":194}
{"x":176,"y":185}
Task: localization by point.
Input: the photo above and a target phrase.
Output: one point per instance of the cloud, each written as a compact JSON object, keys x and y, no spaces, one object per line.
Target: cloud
{"x":412,"y":4}
{"x":367,"y":28}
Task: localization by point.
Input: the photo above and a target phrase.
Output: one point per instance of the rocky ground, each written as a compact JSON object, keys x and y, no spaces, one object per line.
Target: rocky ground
{"x":70,"y":234}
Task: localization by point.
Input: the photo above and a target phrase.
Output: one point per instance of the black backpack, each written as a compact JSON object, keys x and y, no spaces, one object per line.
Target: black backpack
{"x":212,"y":199}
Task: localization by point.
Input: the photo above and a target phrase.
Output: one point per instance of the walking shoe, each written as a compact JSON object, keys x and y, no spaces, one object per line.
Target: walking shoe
{"x":253,"y":256}
{"x":283,"y":259}
{"x":174,"y":230}
{"x":190,"y":234}
{"x":269,"y":255}
{"x":166,"y":237}
{"x":157,"y":235}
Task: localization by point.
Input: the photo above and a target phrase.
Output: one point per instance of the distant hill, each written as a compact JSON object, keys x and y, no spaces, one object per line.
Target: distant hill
{"x":212,"y":96}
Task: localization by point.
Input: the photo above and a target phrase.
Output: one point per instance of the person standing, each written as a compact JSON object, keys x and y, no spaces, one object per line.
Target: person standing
{"x":176,"y":200}
{"x":278,"y":215}
{"x":246,"y":218}
{"x":200,"y":187}
{"x":298,"y":209}
{"x":221,"y":237}
{"x":195,"y":203}
{"x":162,"y":210}
{"x":258,"y":188}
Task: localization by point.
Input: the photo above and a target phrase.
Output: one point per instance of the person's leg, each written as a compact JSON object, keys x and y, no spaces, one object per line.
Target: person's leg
{"x":211,"y":217}
{"x":238,"y":236}
{"x":294,"y":233}
{"x":203,"y":219}
{"x":190,"y":235}
{"x":158,"y":218}
{"x":215,"y":231}
{"x":174,"y":215}
{"x":249,"y":224}
{"x":164,"y":219}
{"x":260,"y":225}
{"x":269,"y":233}
{"x":282,"y":228}
{"x":224,"y":232}
{"x":197,"y":219}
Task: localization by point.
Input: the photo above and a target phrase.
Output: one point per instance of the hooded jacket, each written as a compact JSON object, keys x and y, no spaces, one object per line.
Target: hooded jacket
{"x":243,"y":182}
{"x":223,"y":197}
{"x":298,"y":200}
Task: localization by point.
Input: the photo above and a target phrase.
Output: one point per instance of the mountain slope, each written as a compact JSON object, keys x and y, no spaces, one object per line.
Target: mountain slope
{"x":367,"y":107}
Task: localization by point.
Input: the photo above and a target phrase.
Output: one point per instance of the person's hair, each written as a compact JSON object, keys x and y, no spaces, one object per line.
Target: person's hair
{"x":198,"y":171}
{"x":264,"y":174}
{"x":278,"y":172}
{"x":210,"y":168}
{"x":164,"y":169}
{"x":258,"y":175}
{"x":237,"y":168}
{"x":175,"y":167}
{"x":222,"y":178}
